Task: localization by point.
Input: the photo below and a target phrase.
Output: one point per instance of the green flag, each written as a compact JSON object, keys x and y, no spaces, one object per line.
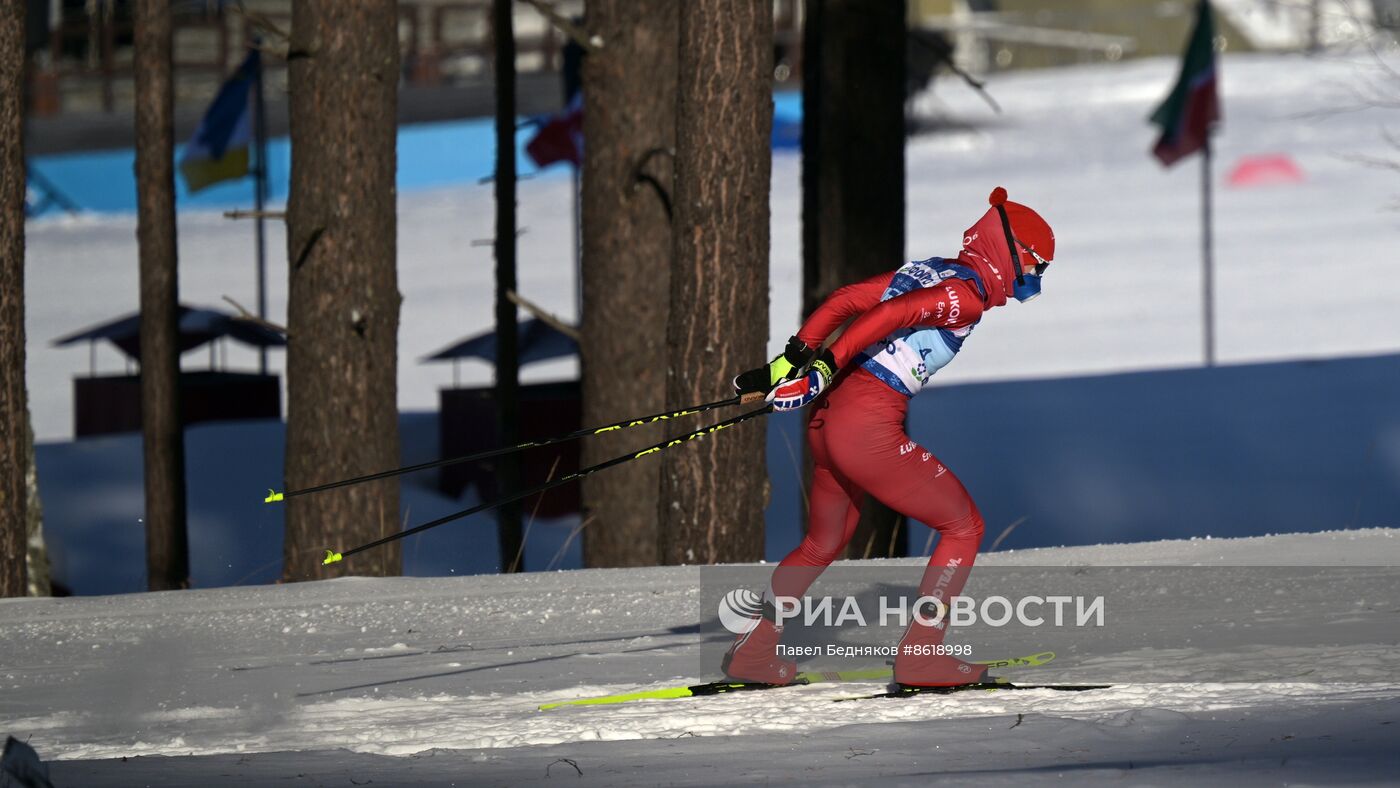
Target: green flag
{"x":1193,"y":107}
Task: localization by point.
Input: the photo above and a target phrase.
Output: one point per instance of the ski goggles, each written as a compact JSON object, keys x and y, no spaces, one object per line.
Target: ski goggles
{"x":1040,"y":262}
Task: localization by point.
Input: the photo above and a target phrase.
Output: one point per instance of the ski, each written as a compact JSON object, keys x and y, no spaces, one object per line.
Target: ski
{"x":904,"y":691}
{"x":803,"y":679}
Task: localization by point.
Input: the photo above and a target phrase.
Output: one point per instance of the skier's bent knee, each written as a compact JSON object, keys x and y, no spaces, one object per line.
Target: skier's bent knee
{"x":969,"y":527}
{"x":814,"y":553}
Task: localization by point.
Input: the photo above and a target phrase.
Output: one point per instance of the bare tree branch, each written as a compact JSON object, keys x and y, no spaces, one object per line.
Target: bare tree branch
{"x":263,"y":24}
{"x":539,"y":312}
{"x":568,"y":28}
{"x":244,"y":314}
{"x":243,"y":214}
{"x":1370,"y":161}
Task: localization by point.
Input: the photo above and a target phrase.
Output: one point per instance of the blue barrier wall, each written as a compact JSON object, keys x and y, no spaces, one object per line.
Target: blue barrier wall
{"x":429,"y":155}
{"x":1232,"y":451}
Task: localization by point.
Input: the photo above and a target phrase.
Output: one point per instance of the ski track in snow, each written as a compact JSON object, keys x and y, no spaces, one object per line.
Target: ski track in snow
{"x":424,"y":723}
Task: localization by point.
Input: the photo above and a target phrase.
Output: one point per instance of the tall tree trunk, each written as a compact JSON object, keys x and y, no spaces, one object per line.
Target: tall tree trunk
{"x":629,"y":118}
{"x":12,"y":392}
{"x":509,"y":528}
{"x":343,"y":299}
{"x":36,"y":555}
{"x":167,"y":543}
{"x":713,"y":491}
{"x":853,"y":173}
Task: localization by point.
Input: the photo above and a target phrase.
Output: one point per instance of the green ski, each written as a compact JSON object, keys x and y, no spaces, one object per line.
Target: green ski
{"x":808,"y":677}
{"x":905,"y":691}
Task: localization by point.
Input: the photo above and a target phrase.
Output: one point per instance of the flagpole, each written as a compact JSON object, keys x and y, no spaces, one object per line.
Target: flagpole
{"x":260,"y":198}
{"x":578,"y":245}
{"x":1208,"y":272}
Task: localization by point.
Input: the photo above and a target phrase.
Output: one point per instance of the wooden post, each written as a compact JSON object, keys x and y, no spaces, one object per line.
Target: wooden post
{"x":1207,"y":258}
{"x":508,"y":519}
{"x":260,"y":197}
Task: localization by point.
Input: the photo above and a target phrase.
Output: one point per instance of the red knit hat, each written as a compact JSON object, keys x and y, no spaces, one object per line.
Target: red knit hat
{"x":1032,"y":231}
{"x":986,"y":250}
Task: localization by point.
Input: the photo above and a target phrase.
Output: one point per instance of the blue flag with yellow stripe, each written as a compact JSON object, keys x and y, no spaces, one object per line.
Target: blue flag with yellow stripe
{"x":219,"y":150}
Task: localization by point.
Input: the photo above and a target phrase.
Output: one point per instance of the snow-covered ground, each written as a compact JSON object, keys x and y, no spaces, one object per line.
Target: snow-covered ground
{"x":451,"y":671}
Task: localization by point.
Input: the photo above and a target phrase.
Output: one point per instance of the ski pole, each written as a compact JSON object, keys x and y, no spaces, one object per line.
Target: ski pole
{"x":273,"y":496}
{"x":333,"y":556}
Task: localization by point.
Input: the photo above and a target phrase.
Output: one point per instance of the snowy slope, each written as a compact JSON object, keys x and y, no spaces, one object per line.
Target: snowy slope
{"x":1297,"y":265}
{"x":400,"y":667}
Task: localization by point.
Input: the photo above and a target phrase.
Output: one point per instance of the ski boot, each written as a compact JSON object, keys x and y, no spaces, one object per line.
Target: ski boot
{"x":917,"y":662}
{"x":754,"y":658}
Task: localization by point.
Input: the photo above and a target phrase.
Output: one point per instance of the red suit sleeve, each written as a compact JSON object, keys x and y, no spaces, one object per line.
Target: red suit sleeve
{"x":953,"y":303}
{"x":841,"y":306}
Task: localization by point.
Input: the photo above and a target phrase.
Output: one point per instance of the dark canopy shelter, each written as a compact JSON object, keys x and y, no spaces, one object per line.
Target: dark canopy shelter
{"x":467,"y":421}
{"x":539,"y":341}
{"x":112,"y":403}
{"x":197,"y":327}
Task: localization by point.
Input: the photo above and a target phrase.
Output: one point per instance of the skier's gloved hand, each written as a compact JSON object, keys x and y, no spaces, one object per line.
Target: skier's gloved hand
{"x":781,"y":368}
{"x":794,"y":394}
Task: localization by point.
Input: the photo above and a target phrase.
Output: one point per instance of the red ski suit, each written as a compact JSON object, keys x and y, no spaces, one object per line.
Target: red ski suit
{"x":904,"y":326}
{"x":859,"y":446}
{"x":856,"y":432}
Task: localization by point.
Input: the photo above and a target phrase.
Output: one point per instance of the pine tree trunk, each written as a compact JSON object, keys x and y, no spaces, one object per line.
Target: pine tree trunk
{"x":629,"y":90}
{"x":343,"y":301}
{"x":12,"y":390}
{"x":36,"y":554}
{"x":853,"y":174}
{"x":714,"y":490}
{"x":167,"y":544}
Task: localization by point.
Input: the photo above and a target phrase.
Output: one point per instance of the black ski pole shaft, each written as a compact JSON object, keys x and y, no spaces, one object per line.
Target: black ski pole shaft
{"x":332,"y":556}
{"x":274,"y":496}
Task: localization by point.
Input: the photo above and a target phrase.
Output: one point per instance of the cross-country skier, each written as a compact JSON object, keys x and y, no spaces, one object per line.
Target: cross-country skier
{"x":907,"y":325}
